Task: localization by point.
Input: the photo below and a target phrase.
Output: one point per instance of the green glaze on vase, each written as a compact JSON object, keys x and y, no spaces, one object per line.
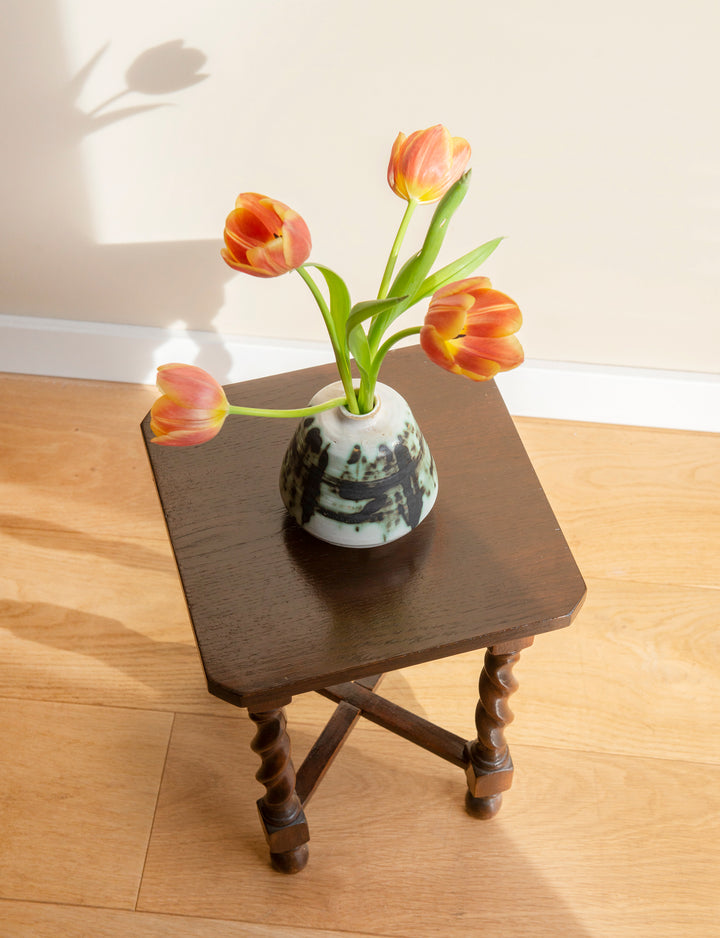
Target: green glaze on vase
{"x":359,"y":480}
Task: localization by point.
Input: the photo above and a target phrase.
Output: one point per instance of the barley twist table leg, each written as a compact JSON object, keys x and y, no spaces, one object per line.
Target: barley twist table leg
{"x":489,"y":766}
{"x":280,"y":810}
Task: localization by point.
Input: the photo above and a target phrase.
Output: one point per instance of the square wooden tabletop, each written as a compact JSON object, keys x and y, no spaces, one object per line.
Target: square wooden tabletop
{"x":277,"y":612}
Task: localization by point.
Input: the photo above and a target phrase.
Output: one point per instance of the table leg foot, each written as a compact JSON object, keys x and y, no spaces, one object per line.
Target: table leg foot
{"x":483,"y":808}
{"x":489,"y":768}
{"x":293,"y":861}
{"x":280,"y":810}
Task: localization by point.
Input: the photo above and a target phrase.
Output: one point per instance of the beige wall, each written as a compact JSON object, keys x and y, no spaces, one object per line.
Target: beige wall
{"x":594,"y":129}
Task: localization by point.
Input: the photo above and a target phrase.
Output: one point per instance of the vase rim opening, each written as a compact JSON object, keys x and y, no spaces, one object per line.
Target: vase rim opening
{"x":371,"y":413}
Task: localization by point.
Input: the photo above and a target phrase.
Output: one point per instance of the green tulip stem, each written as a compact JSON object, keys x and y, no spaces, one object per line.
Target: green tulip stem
{"x":395,"y":250}
{"x":368,"y":388}
{"x":298,"y":412}
{"x":341,"y":357}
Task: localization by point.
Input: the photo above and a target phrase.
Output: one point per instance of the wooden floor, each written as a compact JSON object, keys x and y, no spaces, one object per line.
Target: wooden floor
{"x":127,"y":794}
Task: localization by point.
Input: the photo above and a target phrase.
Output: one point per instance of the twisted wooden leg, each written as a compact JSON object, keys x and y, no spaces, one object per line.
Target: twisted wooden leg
{"x":281,"y":813}
{"x":489,"y":766}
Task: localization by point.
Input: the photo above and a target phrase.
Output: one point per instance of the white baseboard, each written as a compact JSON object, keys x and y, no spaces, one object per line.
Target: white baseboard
{"x":643,"y":397}
{"x":560,"y":390}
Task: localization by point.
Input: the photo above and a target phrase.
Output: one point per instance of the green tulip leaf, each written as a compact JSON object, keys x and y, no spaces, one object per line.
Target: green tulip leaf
{"x":339,"y":297}
{"x":359,"y":348}
{"x":370,"y":308}
{"x":458,"y":270}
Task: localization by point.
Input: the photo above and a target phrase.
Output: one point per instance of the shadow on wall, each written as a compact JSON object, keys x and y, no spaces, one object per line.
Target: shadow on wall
{"x":50,"y":265}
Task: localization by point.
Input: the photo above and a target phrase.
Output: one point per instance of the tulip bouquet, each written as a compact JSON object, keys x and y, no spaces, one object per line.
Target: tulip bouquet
{"x":469,"y":328}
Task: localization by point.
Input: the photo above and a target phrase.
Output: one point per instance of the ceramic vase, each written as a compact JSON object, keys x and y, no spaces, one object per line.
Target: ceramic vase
{"x":359,"y":480}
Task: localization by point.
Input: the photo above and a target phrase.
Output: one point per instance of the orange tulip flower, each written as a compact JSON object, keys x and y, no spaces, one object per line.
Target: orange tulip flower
{"x":192,"y":409}
{"x":424,"y":165}
{"x":469,"y":329}
{"x":264,"y":238}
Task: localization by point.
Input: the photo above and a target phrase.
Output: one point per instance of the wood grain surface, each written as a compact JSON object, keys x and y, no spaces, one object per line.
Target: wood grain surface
{"x":127,"y":803}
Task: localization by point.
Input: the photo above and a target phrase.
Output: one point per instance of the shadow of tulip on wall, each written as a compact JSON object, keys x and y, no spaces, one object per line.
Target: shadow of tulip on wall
{"x":51,"y":266}
{"x":160,"y":70}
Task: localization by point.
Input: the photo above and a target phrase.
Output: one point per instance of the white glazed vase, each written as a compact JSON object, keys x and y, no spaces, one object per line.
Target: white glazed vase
{"x":359,"y":480}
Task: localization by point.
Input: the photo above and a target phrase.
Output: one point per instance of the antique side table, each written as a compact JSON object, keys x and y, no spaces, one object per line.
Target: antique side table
{"x":278,"y":613}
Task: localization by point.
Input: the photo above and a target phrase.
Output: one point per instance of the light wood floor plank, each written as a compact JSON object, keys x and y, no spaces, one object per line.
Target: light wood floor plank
{"x":94,"y":629}
{"x":73,"y":462}
{"x":78,"y":793}
{"x":634,"y":503}
{"x":38,"y":920}
{"x":97,"y":629}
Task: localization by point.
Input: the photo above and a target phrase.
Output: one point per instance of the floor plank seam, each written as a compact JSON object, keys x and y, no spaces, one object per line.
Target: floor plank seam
{"x":651,"y":584}
{"x":184,"y":917}
{"x":58,"y":903}
{"x":170,"y":710}
{"x":154,"y":815}
{"x":298,"y":930}
{"x":613,"y":754}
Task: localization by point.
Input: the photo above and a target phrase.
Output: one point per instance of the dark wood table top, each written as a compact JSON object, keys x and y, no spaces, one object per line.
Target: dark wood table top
{"x":277,"y":612}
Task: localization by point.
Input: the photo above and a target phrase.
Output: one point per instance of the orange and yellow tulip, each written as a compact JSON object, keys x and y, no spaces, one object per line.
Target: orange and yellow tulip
{"x":192,"y":409}
{"x":265,"y":238}
{"x":424,"y":165}
{"x":469,"y":329}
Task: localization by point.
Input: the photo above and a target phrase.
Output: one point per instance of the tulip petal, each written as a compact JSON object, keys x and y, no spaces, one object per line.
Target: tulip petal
{"x":175,"y":425}
{"x":461,"y":154}
{"x":467,"y":285}
{"x":296,"y":240}
{"x":396,"y":182}
{"x":247,"y":268}
{"x":185,"y":437}
{"x":482,"y":358}
{"x":168,"y":415}
{"x":448,"y":314}
{"x":247,"y":226}
{"x":426,"y":162}
{"x":436,"y":348}
{"x":268,"y":260}
{"x":237,"y":263}
{"x":493,"y":314}
{"x":190,"y":386}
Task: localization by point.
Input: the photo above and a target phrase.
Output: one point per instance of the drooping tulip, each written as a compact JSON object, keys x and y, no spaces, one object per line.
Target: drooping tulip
{"x":265,"y":238}
{"x":424,"y":165}
{"x":192,"y":409}
{"x":469,"y":329}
